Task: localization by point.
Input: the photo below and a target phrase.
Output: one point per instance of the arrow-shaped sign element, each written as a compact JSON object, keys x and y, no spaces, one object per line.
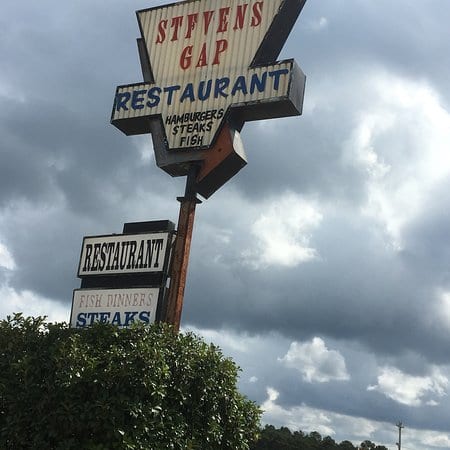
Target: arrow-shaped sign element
{"x":211,"y":61}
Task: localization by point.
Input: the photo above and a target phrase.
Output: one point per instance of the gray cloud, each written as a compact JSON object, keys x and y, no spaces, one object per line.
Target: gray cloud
{"x":368,"y":157}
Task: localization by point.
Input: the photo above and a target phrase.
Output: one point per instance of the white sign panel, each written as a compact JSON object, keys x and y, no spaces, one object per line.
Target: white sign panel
{"x":120,"y":307}
{"x":122,"y":254}
{"x":202,"y":58}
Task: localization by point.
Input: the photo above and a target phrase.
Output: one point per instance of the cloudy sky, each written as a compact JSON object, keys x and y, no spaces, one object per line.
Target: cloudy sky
{"x":322,"y":268}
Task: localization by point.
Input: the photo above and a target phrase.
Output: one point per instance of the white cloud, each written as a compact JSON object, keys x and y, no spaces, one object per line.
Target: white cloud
{"x":248,"y":349}
{"x":441,"y":310}
{"x":315,"y":362}
{"x":240,"y":343}
{"x":8,"y":91}
{"x":31,"y":304}
{"x":408,"y":389}
{"x":310,"y":419}
{"x":400,"y":142}
{"x":6,"y":259}
{"x":344,"y":427}
{"x":318,"y":24}
{"x":27,"y":302}
{"x":436,"y":439}
{"x":300,"y":417}
{"x":282,"y":233}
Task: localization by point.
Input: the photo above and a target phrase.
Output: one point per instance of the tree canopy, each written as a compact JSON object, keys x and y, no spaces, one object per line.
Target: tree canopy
{"x":282,"y":438}
{"x":103,"y":388}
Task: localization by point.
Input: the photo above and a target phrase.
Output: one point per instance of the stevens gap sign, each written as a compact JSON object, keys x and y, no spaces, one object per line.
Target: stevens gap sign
{"x":208,"y":62}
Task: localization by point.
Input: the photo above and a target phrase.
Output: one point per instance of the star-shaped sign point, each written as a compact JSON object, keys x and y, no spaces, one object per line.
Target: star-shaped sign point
{"x":207,"y":62}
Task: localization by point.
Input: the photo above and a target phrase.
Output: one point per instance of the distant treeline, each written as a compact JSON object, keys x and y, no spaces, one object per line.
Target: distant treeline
{"x":283,"y":439}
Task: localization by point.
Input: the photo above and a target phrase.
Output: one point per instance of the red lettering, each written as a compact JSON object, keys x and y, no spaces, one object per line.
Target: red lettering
{"x":207,"y":15}
{"x":162,"y":26}
{"x":202,"y":60}
{"x":240,"y":16}
{"x":223,"y":19}
{"x":176,"y":25}
{"x":192,"y":21}
{"x":221,"y":46}
{"x":257,"y":14}
{"x":186,"y":57}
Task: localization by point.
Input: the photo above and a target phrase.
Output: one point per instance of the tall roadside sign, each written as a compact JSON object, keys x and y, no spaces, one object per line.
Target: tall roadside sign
{"x":208,"y":67}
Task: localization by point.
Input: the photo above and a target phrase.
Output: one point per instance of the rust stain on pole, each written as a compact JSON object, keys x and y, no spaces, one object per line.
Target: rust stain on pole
{"x":180,"y":258}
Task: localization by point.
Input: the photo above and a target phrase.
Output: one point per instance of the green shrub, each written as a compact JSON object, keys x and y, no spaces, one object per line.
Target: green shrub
{"x":103,"y":388}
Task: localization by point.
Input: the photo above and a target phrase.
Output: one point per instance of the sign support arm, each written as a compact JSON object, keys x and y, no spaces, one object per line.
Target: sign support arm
{"x":180,"y":259}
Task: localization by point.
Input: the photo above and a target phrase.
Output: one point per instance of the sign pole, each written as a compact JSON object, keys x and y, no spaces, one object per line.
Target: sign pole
{"x":207,"y":70}
{"x":180,"y":259}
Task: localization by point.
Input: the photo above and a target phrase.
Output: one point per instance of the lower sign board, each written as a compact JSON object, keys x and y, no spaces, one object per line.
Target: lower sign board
{"x":120,"y":307}
{"x":124,"y":253}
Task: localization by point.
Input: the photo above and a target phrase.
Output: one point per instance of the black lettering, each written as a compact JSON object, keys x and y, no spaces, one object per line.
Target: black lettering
{"x":159,"y":244}
{"x":87,"y":258}
{"x":132,"y":251}
{"x":140,"y":258}
{"x":102,"y":256}
{"x":95,"y":257}
{"x":110,"y":253}
{"x":123,"y":255}
{"x":115,"y":264}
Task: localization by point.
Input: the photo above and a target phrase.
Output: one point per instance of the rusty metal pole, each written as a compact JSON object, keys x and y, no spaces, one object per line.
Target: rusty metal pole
{"x":180,"y":257}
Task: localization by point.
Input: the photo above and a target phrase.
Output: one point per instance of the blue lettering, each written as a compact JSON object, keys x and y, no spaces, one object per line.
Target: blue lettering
{"x":202,"y":95}
{"x":154,"y":95}
{"x":144,"y":316}
{"x":129,"y":317}
{"x":87,"y":319}
{"x":188,"y":93}
{"x":239,"y":85}
{"x":171,"y":90}
{"x":138,"y":99}
{"x":221,"y":85}
{"x":122,"y":100}
{"x":276,"y":74}
{"x":257,"y":83}
{"x":201,"y":91}
{"x":92,"y":316}
{"x":116,"y":319}
{"x":81,"y":320}
{"x":104,"y":316}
